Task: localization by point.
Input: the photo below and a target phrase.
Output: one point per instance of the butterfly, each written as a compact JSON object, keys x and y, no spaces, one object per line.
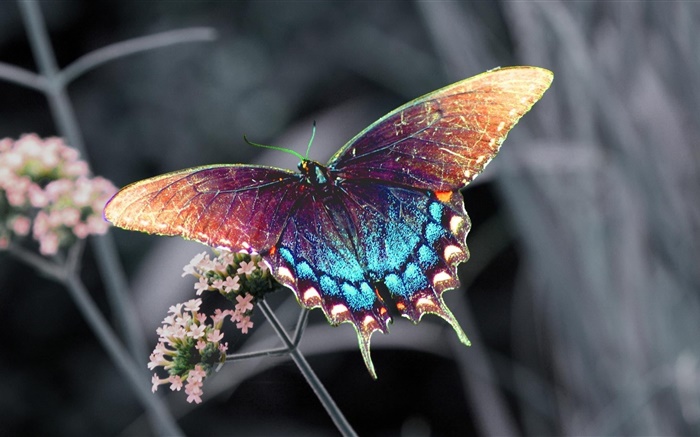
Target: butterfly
{"x":386,"y":211}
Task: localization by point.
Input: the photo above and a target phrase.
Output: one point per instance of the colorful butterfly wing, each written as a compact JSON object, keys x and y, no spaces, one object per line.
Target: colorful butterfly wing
{"x":338,"y":248}
{"x":232,"y":206}
{"x":400,"y":181}
{"x":444,"y":139}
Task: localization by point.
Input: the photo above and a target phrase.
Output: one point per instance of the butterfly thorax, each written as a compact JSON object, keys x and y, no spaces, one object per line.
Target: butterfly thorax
{"x":314,"y":173}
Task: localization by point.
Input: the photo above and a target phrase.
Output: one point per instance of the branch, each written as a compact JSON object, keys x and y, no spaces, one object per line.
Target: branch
{"x":131,"y":47}
{"x":22,"y":77}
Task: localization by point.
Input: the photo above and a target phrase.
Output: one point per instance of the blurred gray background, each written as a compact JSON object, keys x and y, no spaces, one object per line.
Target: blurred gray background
{"x":582,"y":295}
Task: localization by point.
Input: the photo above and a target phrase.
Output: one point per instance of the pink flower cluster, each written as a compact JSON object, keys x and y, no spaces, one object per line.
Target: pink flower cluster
{"x":185,"y":334}
{"x":231,"y":274}
{"x":46,"y":190}
{"x":190,"y":344}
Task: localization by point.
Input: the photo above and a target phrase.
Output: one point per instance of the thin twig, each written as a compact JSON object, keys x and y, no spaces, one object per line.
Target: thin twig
{"x":20,"y":76}
{"x":326,"y":400}
{"x":301,"y":325}
{"x":133,"y":46}
{"x":38,"y":262}
{"x":298,"y":332}
{"x":115,"y":349}
{"x":257,"y":354}
{"x":120,"y":356}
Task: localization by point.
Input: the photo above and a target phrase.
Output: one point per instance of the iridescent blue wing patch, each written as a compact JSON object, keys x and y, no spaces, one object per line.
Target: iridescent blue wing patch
{"x":336,"y":251}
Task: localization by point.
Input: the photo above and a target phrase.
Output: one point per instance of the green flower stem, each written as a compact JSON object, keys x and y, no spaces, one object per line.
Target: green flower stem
{"x":328,"y":403}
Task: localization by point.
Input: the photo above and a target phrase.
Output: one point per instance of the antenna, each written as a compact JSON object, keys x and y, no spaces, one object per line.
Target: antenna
{"x":313,"y":134}
{"x":284,"y":149}
{"x":281,"y":149}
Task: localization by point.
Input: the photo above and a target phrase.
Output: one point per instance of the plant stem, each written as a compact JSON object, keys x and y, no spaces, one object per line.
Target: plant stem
{"x":115,"y":349}
{"x":119,"y":355}
{"x":328,"y":403}
{"x":67,"y":124}
{"x":107,"y":259}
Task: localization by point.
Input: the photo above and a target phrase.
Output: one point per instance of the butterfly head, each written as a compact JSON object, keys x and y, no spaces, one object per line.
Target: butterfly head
{"x":313,"y":172}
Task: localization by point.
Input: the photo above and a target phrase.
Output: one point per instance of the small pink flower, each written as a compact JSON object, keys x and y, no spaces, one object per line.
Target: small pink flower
{"x":13,"y":159}
{"x":97,"y":225}
{"x":77,"y":168}
{"x":67,"y":153}
{"x":37,"y":196}
{"x":246,"y":268}
{"x":244,"y":303}
{"x":231,"y":284}
{"x":16,"y":193}
{"x":202,"y":285}
{"x":55,"y":220}
{"x":244,"y":324}
{"x":262,"y":265}
{"x":175,"y":382}
{"x":220,"y":266}
{"x":226,"y":257}
{"x":206,"y":263}
{"x":82,"y":192}
{"x":21,"y":225}
{"x":201,"y":344}
{"x":194,"y":384}
{"x":180,"y":333}
{"x":156,"y":382}
{"x":196,"y":331}
{"x":189,"y":269}
{"x":156,"y":359}
{"x":215,"y":336}
{"x":81,"y":230}
{"x":69,"y":216}
{"x":55,"y":189}
{"x":195,"y":394}
{"x":41,"y":225}
{"x":197,"y":374}
{"x":223,"y":347}
{"x":48,"y":245}
{"x":166,"y":332}
{"x":49,"y":158}
{"x":193,"y":305}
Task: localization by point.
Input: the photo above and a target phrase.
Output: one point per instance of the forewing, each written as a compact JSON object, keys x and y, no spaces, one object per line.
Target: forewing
{"x":442,"y":140}
{"x":231,"y":206}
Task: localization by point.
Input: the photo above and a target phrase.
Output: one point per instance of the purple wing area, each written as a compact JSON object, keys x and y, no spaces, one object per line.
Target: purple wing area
{"x":341,"y":244}
{"x":231,"y":206}
{"x":441,"y":141}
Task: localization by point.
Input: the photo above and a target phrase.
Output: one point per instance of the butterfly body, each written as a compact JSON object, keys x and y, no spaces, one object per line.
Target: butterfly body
{"x":385,"y":212}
